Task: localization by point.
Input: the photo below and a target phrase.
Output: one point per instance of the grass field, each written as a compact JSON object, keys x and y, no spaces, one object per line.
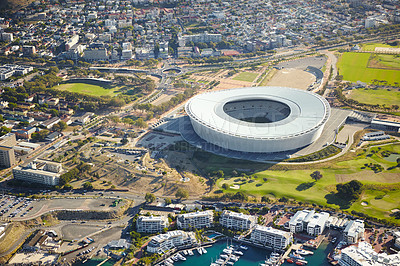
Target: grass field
{"x":93,"y":90}
{"x":386,"y":61}
{"x":354,"y":67}
{"x":246,"y":76}
{"x":378,"y":96}
{"x":371,"y":46}
{"x":297,"y":184}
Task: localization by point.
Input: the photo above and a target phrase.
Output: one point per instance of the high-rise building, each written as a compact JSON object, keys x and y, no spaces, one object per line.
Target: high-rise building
{"x":151,"y":224}
{"x":271,"y":237}
{"x":7,"y":155}
{"x":195,"y":220}
{"x":42,"y":172}
{"x":237,"y":221}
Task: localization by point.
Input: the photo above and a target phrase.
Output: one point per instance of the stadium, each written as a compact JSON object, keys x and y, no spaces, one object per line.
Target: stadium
{"x":258,"y":119}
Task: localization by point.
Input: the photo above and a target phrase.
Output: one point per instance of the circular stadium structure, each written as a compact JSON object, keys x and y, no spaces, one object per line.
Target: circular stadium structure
{"x":258,"y":119}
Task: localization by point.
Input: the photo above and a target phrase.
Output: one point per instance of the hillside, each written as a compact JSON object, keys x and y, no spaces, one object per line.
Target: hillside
{"x":14,"y":4}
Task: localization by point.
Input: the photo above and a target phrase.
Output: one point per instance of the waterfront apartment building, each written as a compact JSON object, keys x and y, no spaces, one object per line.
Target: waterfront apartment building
{"x":271,"y":237}
{"x":195,"y":220}
{"x":354,"y":231}
{"x":237,"y":221}
{"x":7,"y":155}
{"x":42,"y":172}
{"x":151,"y":224}
{"x":310,"y":221}
{"x":365,"y":255}
{"x":170,"y":240}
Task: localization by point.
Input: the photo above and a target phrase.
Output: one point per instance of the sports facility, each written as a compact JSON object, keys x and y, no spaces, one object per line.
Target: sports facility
{"x":259,"y":119}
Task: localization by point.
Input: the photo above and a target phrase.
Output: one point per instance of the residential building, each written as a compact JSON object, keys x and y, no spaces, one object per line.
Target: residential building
{"x":271,"y":237}
{"x":7,"y":37}
{"x":202,"y":37}
{"x":237,"y":221}
{"x":309,"y":221}
{"x":7,"y":155}
{"x":354,"y":231}
{"x":195,"y":220}
{"x":151,"y":224}
{"x":42,"y":172}
{"x":84,"y":119}
{"x":51,"y":122}
{"x":363,"y":254}
{"x":170,"y":240}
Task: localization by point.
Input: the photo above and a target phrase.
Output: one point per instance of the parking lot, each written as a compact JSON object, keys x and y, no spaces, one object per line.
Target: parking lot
{"x":22,"y":208}
{"x":12,"y":207}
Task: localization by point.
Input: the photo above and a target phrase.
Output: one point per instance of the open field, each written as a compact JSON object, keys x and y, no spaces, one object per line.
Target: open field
{"x":385,"y":61}
{"x":246,"y":76}
{"x":378,"y":96}
{"x":93,"y":90}
{"x":354,"y":67}
{"x":297,"y":184}
{"x":293,"y":78}
{"x":371,"y":46}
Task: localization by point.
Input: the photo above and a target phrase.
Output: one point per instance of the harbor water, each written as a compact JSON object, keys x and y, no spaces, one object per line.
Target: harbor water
{"x":319,"y":256}
{"x":252,"y":256}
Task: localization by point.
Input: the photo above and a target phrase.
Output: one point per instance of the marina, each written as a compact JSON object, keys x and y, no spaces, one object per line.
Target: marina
{"x":223,"y":253}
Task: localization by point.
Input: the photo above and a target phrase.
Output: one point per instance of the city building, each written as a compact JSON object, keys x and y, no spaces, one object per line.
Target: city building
{"x":151,"y":224}
{"x":42,"y":172}
{"x":266,"y":120}
{"x":195,"y":219}
{"x":363,"y":254}
{"x":170,"y":240}
{"x":202,"y":37}
{"x":271,"y":237}
{"x":354,"y":231}
{"x":237,"y":221}
{"x":7,"y":155}
{"x":310,"y":221}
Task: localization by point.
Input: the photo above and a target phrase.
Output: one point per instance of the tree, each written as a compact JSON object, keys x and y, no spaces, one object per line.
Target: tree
{"x":265,"y":199}
{"x":316,"y":175}
{"x":54,"y":112}
{"x":350,"y":191}
{"x":225,"y":186}
{"x":124,"y":141}
{"x":167,"y":201}
{"x":181,"y":194}
{"x":4,"y":130}
{"x":41,"y":135}
{"x":88,"y":186}
{"x":140,"y":123}
{"x":60,"y":126}
{"x":240,"y":196}
{"x":149,"y":197}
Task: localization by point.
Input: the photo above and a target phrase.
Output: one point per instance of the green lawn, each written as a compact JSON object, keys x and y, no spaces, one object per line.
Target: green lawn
{"x":298,"y":184}
{"x":372,"y":46}
{"x":246,"y":76}
{"x":353,"y":67}
{"x":93,"y":90}
{"x":378,"y":96}
{"x":388,"y":61}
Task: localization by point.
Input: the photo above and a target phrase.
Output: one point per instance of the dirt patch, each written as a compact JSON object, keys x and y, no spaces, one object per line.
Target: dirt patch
{"x":369,"y":176}
{"x":293,"y":78}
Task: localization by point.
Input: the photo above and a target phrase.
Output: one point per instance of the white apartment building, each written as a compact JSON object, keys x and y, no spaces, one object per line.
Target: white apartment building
{"x":195,"y":220}
{"x":39,"y":172}
{"x":354,"y":231}
{"x":271,"y":237}
{"x":173,"y":239}
{"x":364,"y":255}
{"x":237,"y":221}
{"x":196,"y":38}
{"x":151,"y":224}
{"x":310,"y":221}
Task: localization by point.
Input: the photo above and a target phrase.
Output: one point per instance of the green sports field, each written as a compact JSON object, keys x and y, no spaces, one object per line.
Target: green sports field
{"x":246,"y":76}
{"x":93,"y":90}
{"x":354,"y":67}
{"x":381,"y":196}
{"x":371,"y":46}
{"x":378,"y":96}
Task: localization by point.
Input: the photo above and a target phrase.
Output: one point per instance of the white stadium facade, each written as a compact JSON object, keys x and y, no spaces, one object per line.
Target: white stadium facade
{"x":258,"y":119}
